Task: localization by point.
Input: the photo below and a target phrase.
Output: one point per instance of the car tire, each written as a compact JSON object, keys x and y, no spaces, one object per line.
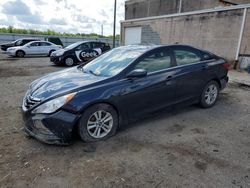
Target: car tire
{"x":20,"y":53}
{"x":209,"y":94}
{"x":69,"y":61}
{"x":50,"y":52}
{"x":98,"y":122}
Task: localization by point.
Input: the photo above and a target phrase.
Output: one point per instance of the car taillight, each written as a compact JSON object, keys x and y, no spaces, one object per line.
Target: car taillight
{"x":226,"y":65}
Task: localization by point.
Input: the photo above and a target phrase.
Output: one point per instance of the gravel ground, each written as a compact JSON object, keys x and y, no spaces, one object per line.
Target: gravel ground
{"x":190,"y":147}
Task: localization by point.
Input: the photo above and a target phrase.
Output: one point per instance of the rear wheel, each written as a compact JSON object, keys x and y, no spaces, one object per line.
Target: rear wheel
{"x":98,"y":122}
{"x":210,"y":94}
{"x":20,"y":53}
{"x":69,"y":61}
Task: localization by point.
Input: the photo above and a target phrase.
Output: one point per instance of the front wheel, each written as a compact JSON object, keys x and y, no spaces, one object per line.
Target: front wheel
{"x":98,"y":122}
{"x":69,"y":61}
{"x":210,"y":94}
{"x":20,"y":53}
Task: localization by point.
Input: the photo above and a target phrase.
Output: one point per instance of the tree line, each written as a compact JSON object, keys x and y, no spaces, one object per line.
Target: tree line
{"x":50,"y":32}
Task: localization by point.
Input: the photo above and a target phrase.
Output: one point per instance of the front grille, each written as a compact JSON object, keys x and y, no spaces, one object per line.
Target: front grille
{"x":30,"y":101}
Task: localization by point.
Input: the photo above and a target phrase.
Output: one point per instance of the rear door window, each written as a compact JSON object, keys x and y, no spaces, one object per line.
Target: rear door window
{"x":34,"y":44}
{"x":96,"y":45}
{"x":45,"y":44}
{"x":83,"y":46}
{"x":185,"y":56}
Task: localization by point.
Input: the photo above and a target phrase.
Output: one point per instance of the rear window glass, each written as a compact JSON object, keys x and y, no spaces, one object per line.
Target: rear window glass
{"x":207,"y":56}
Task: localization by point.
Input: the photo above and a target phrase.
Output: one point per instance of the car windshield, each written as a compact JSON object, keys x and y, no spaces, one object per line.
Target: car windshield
{"x":112,"y":62}
{"x":73,"y":45}
{"x":18,"y":42}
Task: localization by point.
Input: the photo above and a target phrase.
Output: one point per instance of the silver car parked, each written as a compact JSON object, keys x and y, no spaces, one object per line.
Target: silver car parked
{"x":33,"y":48}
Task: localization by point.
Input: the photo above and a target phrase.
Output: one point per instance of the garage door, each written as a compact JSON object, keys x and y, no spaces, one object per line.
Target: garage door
{"x":132,"y":35}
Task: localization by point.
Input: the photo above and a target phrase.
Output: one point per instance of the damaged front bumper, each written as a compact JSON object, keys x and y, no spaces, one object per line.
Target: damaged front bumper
{"x":56,"y":128}
{"x":56,"y":59}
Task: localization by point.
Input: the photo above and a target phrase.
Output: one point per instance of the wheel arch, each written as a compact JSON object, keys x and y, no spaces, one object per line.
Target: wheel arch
{"x":51,"y":50}
{"x":216,"y":80}
{"x":119,"y":114}
{"x":21,"y":51}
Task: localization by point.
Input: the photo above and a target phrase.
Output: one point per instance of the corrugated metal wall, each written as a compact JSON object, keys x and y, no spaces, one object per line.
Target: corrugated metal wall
{"x":8,"y":37}
{"x":145,"y":8}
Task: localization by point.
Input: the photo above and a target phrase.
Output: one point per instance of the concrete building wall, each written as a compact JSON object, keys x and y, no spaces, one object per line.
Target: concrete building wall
{"x":217,"y":32}
{"x":145,"y":8}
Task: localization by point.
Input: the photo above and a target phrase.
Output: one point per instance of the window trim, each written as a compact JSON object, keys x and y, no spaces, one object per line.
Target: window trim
{"x":199,"y":62}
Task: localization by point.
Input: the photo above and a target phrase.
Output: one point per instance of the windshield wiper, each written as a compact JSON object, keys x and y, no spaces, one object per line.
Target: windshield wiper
{"x":92,"y":72}
{"x":81,"y":68}
{"x":89,"y":71}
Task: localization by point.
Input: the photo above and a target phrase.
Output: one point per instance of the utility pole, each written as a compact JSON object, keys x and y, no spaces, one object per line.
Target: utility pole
{"x":180,"y":6}
{"x":114,"y":24}
{"x":102,"y":29}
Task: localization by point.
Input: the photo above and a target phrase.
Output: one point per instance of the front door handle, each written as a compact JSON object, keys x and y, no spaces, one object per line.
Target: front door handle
{"x":169,"y":78}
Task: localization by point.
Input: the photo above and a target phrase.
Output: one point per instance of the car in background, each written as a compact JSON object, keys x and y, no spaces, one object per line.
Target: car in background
{"x":18,"y":42}
{"x":79,"y":52}
{"x":33,"y":48}
{"x":123,"y":84}
{"x":55,"y":40}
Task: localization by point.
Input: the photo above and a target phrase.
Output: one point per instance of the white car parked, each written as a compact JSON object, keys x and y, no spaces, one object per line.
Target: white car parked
{"x":33,"y":48}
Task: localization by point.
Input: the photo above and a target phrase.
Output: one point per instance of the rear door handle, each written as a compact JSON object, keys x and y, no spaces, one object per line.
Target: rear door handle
{"x":204,"y":67}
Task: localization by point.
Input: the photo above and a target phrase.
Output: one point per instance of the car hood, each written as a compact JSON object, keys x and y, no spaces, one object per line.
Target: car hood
{"x":15,"y":48}
{"x":61,"y":82}
{"x":7,"y":44}
{"x":59,"y":51}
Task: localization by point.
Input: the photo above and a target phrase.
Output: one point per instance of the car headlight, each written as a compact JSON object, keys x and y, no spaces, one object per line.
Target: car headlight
{"x":53,"y":105}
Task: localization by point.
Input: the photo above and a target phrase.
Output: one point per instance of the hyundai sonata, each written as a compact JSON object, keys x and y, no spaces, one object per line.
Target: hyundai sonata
{"x":127,"y":82}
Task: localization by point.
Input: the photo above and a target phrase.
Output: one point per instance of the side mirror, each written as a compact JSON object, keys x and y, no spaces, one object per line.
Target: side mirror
{"x":28,"y":46}
{"x":137,"y":73}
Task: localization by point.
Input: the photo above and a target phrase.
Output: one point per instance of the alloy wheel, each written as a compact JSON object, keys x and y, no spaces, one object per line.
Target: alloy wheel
{"x":100,"y":124}
{"x":69,"y":61}
{"x":20,"y":54}
{"x":211,"y":94}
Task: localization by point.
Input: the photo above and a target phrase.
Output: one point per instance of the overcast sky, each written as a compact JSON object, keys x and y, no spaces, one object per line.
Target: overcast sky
{"x":83,"y":16}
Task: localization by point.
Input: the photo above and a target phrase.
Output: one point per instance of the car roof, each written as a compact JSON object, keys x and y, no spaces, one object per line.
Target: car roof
{"x":39,"y":41}
{"x":28,"y":39}
{"x":145,"y":48}
{"x":137,"y":48}
{"x":91,"y":41}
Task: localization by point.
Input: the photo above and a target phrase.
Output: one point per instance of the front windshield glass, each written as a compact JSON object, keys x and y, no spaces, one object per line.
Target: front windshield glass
{"x":18,"y":42}
{"x":73,"y":45}
{"x":112,"y":62}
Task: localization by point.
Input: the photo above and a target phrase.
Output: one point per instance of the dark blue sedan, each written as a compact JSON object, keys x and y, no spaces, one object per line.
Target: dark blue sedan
{"x":125,"y":83}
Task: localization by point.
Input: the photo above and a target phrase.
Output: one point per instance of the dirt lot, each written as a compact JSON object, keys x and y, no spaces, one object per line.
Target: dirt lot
{"x":189,"y":147}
